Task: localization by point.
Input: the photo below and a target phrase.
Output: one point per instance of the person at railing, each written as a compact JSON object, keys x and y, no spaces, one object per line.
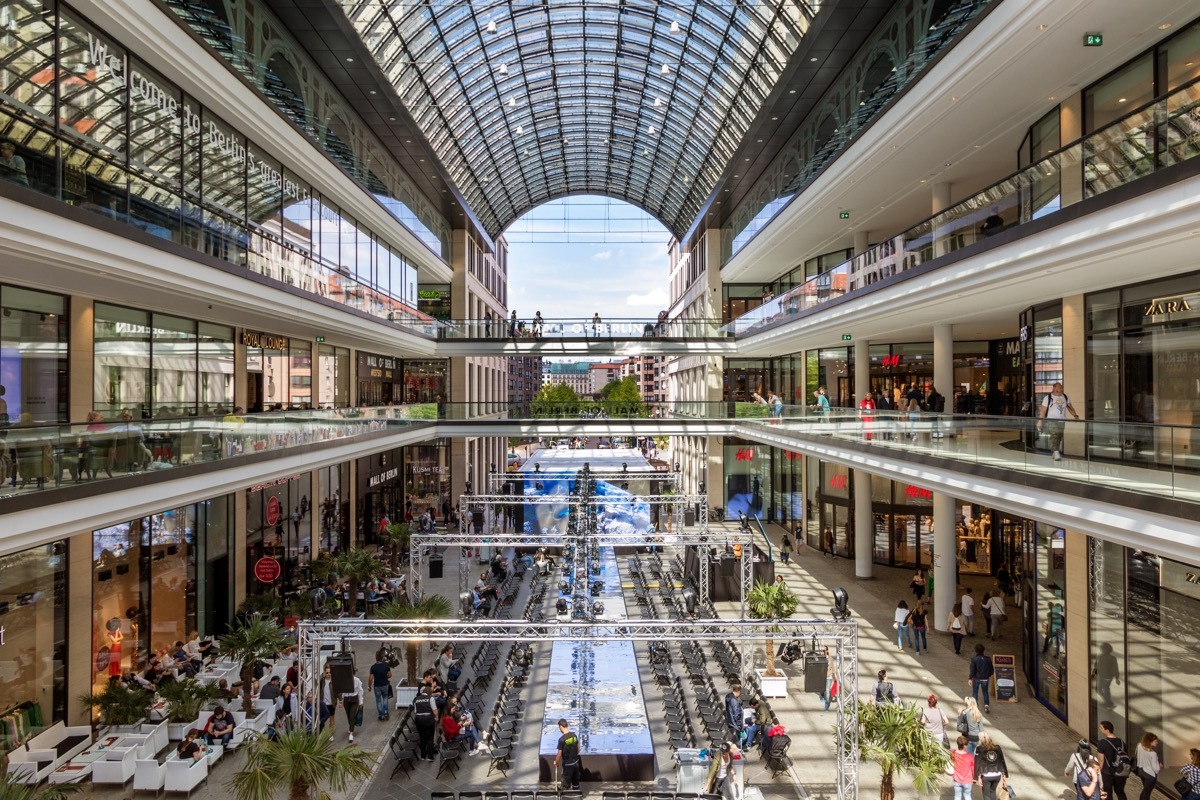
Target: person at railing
{"x":512,"y":325}
{"x":993,"y":224}
{"x":597,"y":325}
{"x":537,"y":325}
{"x":821,"y":404}
{"x":1055,"y":407}
{"x":776,"y":405}
{"x":12,"y":166}
{"x":867,"y":410}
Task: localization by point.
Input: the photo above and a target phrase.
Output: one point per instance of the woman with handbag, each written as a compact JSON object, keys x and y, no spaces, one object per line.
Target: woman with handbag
{"x":1189,"y":785}
{"x":991,"y":773}
{"x":970,"y":723}
{"x":1148,"y":765}
{"x":957,"y":627}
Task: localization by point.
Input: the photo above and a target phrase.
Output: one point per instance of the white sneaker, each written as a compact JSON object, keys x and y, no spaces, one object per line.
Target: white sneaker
{"x":1057,"y":456}
{"x":352,"y":737}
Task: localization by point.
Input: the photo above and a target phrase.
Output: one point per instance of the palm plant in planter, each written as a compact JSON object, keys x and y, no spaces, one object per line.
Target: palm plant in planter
{"x":120,"y":706}
{"x":302,"y":763}
{"x":251,"y":640}
{"x":432,"y":607}
{"x":357,"y":565}
{"x":893,"y":736}
{"x":771,"y":601}
{"x":397,"y":536}
{"x":185,"y":700}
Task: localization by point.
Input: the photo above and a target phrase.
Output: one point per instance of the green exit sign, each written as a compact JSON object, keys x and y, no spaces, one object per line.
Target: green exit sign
{"x":320,"y":338}
{"x":844,"y":215}
{"x":1093,"y":39}
{"x":845,"y":337}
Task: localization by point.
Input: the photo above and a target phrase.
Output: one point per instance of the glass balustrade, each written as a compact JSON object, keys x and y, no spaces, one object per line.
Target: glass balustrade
{"x":582,"y":329}
{"x":40,"y":457}
{"x":1148,"y":140}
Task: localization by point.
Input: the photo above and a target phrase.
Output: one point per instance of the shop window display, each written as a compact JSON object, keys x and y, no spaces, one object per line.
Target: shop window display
{"x":279,"y":524}
{"x":1051,"y":639}
{"x":155,"y":579}
{"x":33,"y":690}
{"x":33,"y":355}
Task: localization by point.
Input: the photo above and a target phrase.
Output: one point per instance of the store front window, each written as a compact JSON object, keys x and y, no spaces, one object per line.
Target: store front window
{"x":427,"y":472}
{"x":333,"y":364}
{"x":379,"y":380}
{"x":380,"y":495}
{"x":745,"y":377}
{"x":426,"y":381}
{"x":33,"y":601}
{"x":156,"y":579}
{"x":747,"y":478}
{"x":835,"y":371}
{"x":434,"y":299}
{"x":278,"y":372}
{"x":333,"y":509}
{"x":33,"y":356}
{"x":279,"y":525}
{"x":1050,"y":643}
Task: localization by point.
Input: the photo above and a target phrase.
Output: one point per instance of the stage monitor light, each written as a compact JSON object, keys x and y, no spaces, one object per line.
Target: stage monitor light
{"x":465,"y":604}
{"x":624,"y":467}
{"x":703,"y":487}
{"x":689,"y":601}
{"x":841,"y":605}
{"x":537,"y":467}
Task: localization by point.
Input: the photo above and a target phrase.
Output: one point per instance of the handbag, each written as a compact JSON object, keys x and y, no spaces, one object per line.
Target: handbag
{"x":961,"y":726}
{"x":895,"y":626}
{"x":1183,"y":786}
{"x":358,"y":718}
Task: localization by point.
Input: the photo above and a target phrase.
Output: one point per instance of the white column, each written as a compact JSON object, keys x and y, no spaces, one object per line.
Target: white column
{"x":864,"y":526}
{"x":862,"y":370}
{"x":862,"y":240}
{"x":943,"y":362}
{"x":945,"y":560}
{"x":940,"y":201}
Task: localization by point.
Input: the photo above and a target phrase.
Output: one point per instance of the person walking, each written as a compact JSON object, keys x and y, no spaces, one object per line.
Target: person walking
{"x":1115,"y":763}
{"x":352,"y":703}
{"x":979,"y":676}
{"x":827,"y":543}
{"x":821,"y":404}
{"x":538,"y":322}
{"x":963,"y":762}
{"x":918,"y":584}
{"x":935,"y":721}
{"x":884,"y":691}
{"x":968,"y":609}
{"x":1148,"y":764}
{"x":957,"y":626}
{"x":1087,"y":780}
{"x":567,"y":756}
{"x":994,"y":608}
{"x":597,"y":326}
{"x":379,"y":682}
{"x":900,"y":622}
{"x":785,"y":547}
{"x":990,"y":770}
{"x":1055,"y":407}
{"x":1191,"y":774}
{"x":970,"y":723}
{"x":425,"y":715}
{"x":512,"y":325}
{"x":919,"y":622}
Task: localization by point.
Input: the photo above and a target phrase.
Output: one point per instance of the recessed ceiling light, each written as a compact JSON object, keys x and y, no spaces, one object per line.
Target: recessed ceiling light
{"x":978,"y":146}
{"x":422,"y":161}
{"x":747,"y":159}
{"x":954,"y":98}
{"x":775,"y":118}
{"x":1042,"y":27}
{"x":674,"y":26}
{"x":374,"y":92}
{"x":948,"y":163}
{"x":922,"y":180}
{"x":760,"y":140}
{"x":1120,"y":99}
{"x":1164,"y":26}
{"x":791,"y":91}
{"x":814,"y":58}
{"x":491,"y":26}
{"x":393,"y":119}
{"x":735,"y":176}
{"x":503,"y":69}
{"x":1052,"y":97}
{"x":520,"y":129}
{"x":665,"y":69}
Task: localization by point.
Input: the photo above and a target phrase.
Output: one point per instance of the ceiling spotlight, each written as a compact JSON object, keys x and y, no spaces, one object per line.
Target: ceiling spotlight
{"x":350,"y":60}
{"x":674,"y":26}
{"x":526,"y":151}
{"x":666,"y":68}
{"x":645,"y":152}
{"x":651,"y":130}
{"x":503,"y":69}
{"x":520,"y":130}
{"x":491,"y":26}
{"x":1164,"y":26}
{"x":814,"y":58}
{"x":512,"y":102}
{"x":657,"y":102}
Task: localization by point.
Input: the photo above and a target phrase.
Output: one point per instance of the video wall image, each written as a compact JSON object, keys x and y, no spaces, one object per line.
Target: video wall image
{"x":622,"y":510}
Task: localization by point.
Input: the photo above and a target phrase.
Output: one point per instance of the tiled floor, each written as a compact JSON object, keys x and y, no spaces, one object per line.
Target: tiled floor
{"x":1035,"y":741}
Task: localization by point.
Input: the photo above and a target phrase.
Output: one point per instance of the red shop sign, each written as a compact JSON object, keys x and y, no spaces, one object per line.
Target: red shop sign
{"x":917,"y":493}
{"x":272,"y":512}
{"x":745,"y":454}
{"x":267,"y":570}
{"x":837,"y":483}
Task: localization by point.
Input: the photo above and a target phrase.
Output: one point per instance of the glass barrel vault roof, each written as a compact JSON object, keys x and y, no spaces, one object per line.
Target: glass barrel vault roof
{"x":526,"y":101}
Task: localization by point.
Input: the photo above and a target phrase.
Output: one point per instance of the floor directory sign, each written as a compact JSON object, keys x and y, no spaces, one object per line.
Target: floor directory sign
{"x":1006,"y":677}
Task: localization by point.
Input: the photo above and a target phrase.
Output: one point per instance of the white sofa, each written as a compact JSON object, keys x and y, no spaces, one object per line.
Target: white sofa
{"x":48,"y":751}
{"x":116,"y":768}
{"x":149,"y":775}
{"x":154,"y":732}
{"x":184,"y":776}
{"x":247,"y":727}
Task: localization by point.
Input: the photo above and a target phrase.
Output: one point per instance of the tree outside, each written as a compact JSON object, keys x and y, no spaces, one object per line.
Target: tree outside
{"x":556,"y":400}
{"x":623,"y":399}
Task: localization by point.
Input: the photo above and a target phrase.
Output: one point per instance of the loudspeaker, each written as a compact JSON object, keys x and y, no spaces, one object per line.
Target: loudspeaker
{"x":814,"y":674}
{"x":729,"y":567}
{"x":341,"y":673}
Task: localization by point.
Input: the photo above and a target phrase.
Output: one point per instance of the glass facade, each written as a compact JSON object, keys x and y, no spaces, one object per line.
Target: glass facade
{"x":279,"y":518}
{"x":279,"y":374}
{"x":381,"y":495}
{"x":33,"y":607}
{"x":96,"y":128}
{"x":155,"y":579}
{"x":1143,"y":618}
{"x":33,"y":356}
{"x":427,"y":473}
{"x":158,"y":365}
{"x":333,"y":365}
{"x":1049,"y":657}
{"x":333,"y":510}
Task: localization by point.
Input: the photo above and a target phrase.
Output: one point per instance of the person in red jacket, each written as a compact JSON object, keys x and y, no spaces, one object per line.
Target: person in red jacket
{"x":867,"y":407}
{"x":454,"y":732}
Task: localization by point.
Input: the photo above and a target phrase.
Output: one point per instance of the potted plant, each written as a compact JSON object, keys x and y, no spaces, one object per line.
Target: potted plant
{"x":302,"y":763}
{"x":119,"y":706}
{"x":251,"y":640}
{"x":893,"y":736}
{"x":771,"y":601}
{"x":11,"y":788}
{"x":434,"y":606}
{"x":397,"y":536}
{"x":185,"y":700}
{"x":357,"y":565}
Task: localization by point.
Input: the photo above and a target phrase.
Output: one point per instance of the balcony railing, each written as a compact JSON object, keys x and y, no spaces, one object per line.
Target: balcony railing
{"x":36,"y":458}
{"x":1147,"y":140}
{"x":581,"y":329}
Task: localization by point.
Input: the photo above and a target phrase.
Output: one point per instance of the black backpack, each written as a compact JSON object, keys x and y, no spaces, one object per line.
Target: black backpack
{"x":885,"y":692}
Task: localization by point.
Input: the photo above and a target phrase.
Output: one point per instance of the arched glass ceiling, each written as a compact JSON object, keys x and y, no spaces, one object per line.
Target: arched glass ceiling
{"x":530,"y":100}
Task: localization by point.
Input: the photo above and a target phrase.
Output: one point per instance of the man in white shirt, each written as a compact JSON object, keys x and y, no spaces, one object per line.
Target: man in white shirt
{"x":968,"y":610}
{"x":994,"y":608}
{"x":1055,"y":407}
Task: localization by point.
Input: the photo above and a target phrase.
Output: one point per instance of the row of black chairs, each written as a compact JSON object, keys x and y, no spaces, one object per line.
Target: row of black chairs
{"x":508,"y":710}
{"x":545,"y":794}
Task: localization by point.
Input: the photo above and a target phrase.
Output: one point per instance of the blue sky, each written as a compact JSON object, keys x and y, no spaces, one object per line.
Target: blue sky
{"x":618,"y":270}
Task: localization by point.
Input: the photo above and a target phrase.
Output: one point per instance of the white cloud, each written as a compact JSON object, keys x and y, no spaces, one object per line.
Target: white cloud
{"x":655,"y":298}
{"x":603,"y":255}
